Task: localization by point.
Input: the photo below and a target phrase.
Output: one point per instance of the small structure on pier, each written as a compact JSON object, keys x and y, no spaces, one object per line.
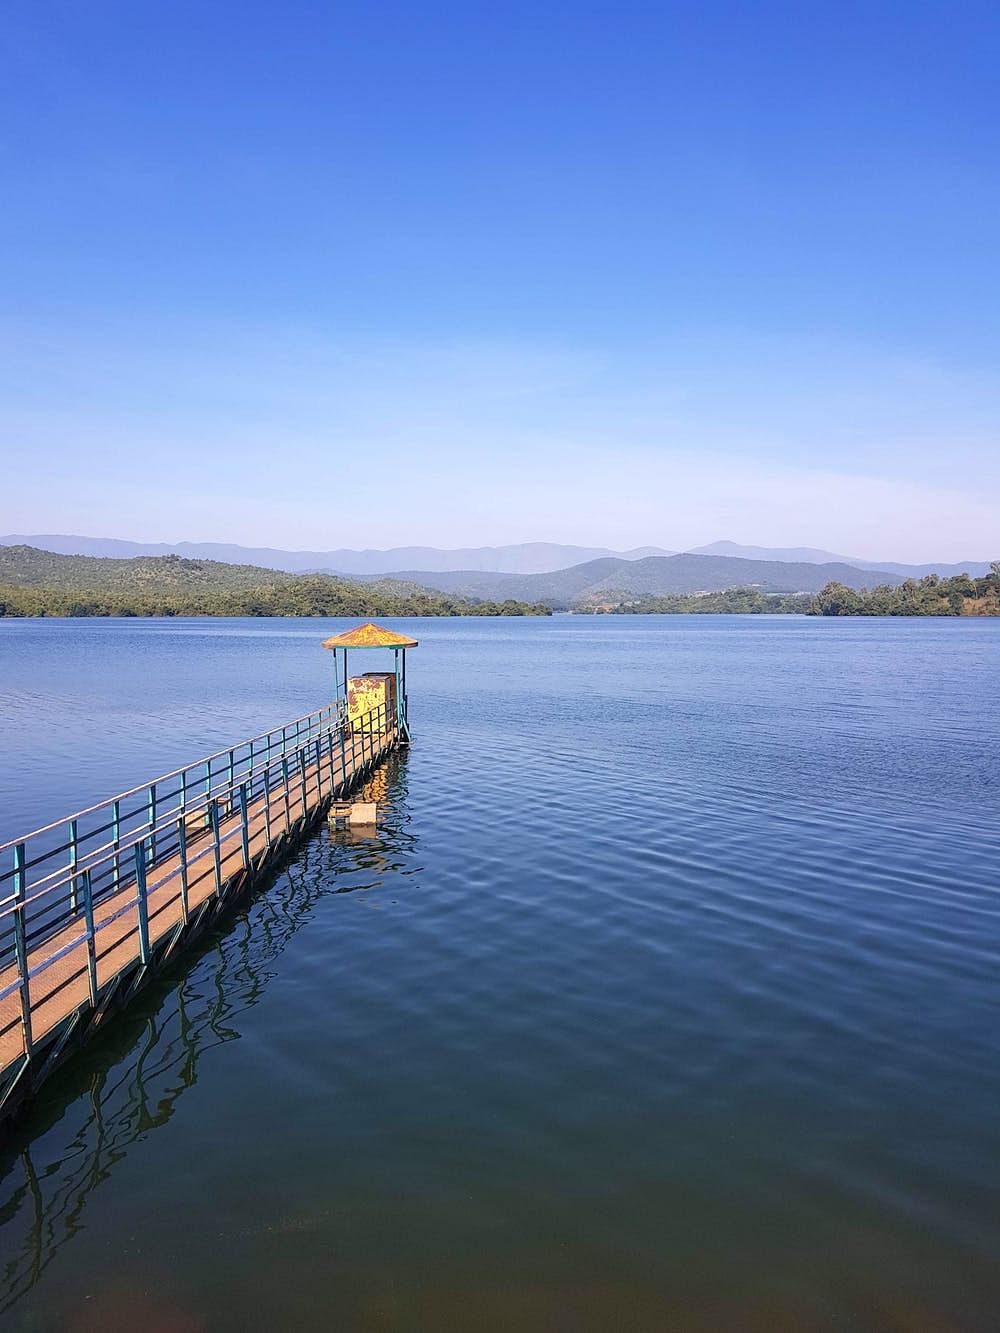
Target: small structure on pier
{"x":376,"y":694}
{"x":93,"y":905}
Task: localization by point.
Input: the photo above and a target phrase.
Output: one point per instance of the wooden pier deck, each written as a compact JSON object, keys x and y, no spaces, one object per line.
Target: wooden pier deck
{"x":161,"y":882}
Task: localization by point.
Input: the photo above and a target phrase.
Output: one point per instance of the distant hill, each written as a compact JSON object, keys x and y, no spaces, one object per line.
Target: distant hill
{"x":657,"y":576}
{"x":418,"y":561}
{"x":809,"y":555}
{"x":35,"y":582}
{"x":524,"y":558}
{"x":812,"y":555}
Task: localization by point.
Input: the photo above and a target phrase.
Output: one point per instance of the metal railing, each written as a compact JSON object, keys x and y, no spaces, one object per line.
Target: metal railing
{"x":58,"y":878}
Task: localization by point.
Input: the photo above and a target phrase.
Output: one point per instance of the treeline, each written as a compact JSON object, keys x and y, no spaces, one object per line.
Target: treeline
{"x":259,"y":602}
{"x":731,"y":601}
{"x":41,"y":583}
{"x":930,"y":596}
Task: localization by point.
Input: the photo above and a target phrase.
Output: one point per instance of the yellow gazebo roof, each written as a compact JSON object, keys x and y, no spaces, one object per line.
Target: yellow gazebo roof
{"x":369,"y":636}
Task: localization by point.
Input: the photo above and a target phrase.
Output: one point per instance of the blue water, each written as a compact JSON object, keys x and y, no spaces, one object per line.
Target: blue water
{"x":667,"y":995}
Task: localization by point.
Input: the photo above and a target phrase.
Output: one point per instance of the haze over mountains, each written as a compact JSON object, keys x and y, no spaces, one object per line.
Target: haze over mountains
{"x":524,"y":558}
{"x":603,"y":581}
{"x":414,"y":562}
{"x":610,"y":577}
{"x":184,"y":586}
{"x":812,"y":556}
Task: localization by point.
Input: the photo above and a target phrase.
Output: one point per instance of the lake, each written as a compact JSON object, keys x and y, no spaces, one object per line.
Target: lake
{"x":666,"y":996}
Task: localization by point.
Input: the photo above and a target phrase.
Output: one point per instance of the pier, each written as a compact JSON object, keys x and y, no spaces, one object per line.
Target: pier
{"x":92,"y":905}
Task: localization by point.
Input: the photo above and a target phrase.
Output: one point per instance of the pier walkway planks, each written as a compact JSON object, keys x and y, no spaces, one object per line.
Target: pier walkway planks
{"x":177,"y":889}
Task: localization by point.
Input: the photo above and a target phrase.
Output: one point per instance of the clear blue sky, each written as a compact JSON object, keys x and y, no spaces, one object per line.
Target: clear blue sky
{"x":367,"y":274}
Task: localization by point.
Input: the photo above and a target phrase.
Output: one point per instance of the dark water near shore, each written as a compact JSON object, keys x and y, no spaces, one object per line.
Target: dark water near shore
{"x":667,"y":994}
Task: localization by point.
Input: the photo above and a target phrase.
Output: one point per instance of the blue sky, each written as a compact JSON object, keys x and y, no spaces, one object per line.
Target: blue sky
{"x":364,"y":275}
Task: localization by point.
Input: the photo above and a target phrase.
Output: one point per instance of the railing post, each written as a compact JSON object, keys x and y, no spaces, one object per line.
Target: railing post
{"x":116,"y":838}
{"x":141,"y":904}
{"x":208,"y":791}
{"x":302,"y":779}
{"x":232,"y":781}
{"x":72,"y":866}
{"x":245,"y":825}
{"x":151,"y":812}
{"x":284,"y":788}
{"x":88,"y":915}
{"x":319,"y":769}
{"x":343,"y":754}
{"x":267,"y":804}
{"x":20,"y":944}
{"x":213,"y":819}
{"x":182,"y":851}
{"x":329,"y":755}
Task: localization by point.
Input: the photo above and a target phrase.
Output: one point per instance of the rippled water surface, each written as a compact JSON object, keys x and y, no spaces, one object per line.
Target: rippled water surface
{"x":666,"y":996}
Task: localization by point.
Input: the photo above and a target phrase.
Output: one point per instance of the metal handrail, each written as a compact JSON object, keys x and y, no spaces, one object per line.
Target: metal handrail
{"x":97,"y":875}
{"x":336,"y":707}
{"x":198,"y":783}
{"x":143,"y":830}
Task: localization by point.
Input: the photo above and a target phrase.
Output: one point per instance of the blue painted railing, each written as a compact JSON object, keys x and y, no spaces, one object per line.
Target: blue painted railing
{"x":57,"y":875}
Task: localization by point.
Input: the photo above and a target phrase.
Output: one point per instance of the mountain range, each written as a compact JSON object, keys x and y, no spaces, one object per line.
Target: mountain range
{"x":525,"y":558}
{"x":606,"y":580}
{"x":34,"y":582}
{"x":522,"y":558}
{"x":610,"y":578}
{"x":810,"y":555}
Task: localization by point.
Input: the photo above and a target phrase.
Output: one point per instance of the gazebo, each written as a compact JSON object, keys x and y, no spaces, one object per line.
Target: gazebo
{"x":362,"y":693}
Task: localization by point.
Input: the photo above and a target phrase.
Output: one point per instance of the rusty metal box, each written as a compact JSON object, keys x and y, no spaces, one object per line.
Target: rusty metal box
{"x":371,"y":701}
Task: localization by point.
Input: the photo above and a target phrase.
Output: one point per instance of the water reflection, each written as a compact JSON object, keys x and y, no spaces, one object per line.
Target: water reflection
{"x":127,"y":1083}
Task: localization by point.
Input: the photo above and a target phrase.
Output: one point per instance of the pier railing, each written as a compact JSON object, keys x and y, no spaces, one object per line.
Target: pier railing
{"x":65,"y":883}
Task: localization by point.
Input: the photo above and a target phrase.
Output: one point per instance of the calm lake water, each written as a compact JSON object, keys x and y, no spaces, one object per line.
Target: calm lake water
{"x":667,"y":995}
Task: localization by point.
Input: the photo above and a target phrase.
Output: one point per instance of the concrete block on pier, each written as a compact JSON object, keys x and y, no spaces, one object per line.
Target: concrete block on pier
{"x":355,"y":812}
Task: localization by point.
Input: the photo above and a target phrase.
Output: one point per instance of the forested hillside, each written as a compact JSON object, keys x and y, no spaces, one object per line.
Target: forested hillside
{"x":930,"y":596}
{"x":612,"y":580}
{"x":731,"y":601}
{"x":41,"y":583}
